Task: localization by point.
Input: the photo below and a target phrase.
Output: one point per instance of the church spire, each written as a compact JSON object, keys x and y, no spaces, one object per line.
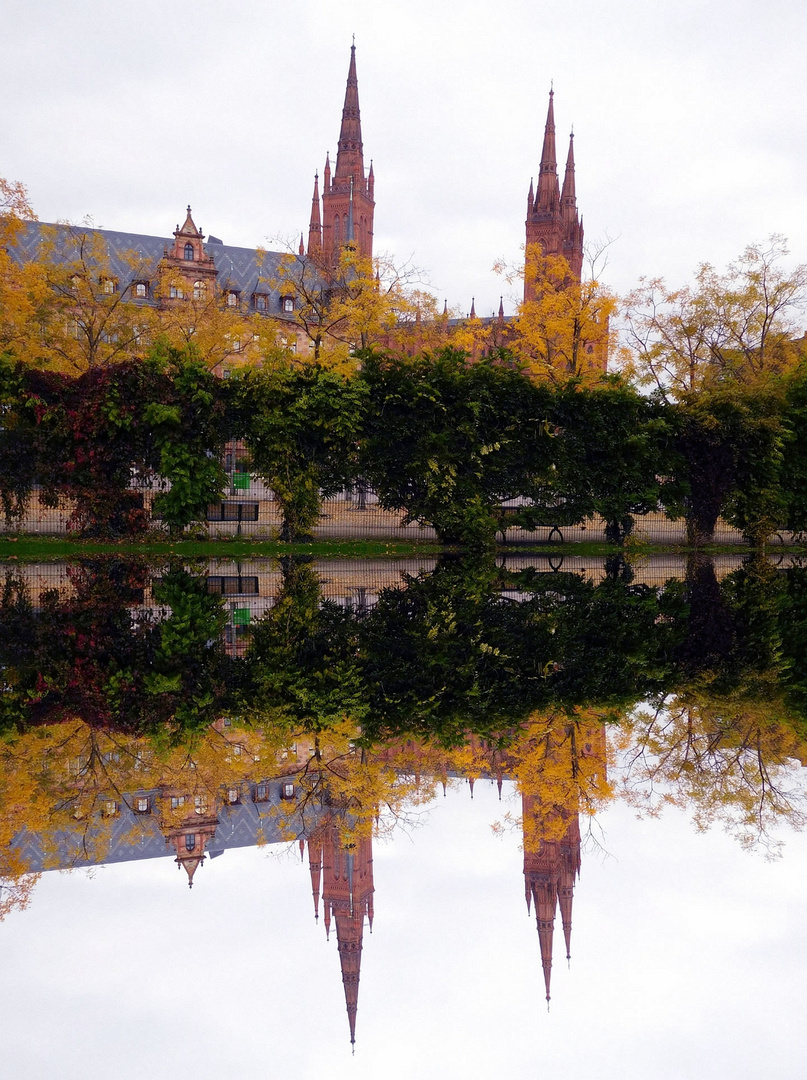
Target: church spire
{"x":349,"y":159}
{"x":348,"y":205}
{"x":548,"y":192}
{"x":315,"y":224}
{"x":568,"y":197}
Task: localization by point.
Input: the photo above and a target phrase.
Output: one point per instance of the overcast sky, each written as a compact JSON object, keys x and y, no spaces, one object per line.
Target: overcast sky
{"x":688,"y":117}
{"x":688,"y":960}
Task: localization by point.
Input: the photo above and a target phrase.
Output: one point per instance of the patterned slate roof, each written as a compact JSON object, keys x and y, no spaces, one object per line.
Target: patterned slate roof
{"x":244,"y":270}
{"x":130,"y":837}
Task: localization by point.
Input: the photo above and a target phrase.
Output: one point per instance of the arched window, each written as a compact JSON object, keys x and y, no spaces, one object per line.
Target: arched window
{"x":189,"y":253}
{"x":190,"y":841}
{"x":232,"y":299}
{"x":199,"y":290}
{"x":337,"y":232}
{"x":140,"y":290}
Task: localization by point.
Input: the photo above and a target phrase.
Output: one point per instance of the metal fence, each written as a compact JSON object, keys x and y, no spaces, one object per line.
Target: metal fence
{"x":248,"y":508}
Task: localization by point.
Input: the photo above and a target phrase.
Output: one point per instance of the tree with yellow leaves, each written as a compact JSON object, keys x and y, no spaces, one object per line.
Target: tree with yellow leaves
{"x":563,"y":326}
{"x":739,"y":325}
{"x":196,"y":316}
{"x":354,"y":304}
{"x":729,"y":760}
{"x":559,"y":762}
{"x":24,"y":292}
{"x":93,"y":316}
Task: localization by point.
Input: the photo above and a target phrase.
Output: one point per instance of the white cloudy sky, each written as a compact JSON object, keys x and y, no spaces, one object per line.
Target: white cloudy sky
{"x":688,"y":960}
{"x":690,"y":136}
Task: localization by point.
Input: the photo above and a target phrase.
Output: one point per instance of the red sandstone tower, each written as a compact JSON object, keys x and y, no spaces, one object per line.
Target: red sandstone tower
{"x":346,"y":877}
{"x":550,"y":870}
{"x":552,"y":219}
{"x":347,"y":195}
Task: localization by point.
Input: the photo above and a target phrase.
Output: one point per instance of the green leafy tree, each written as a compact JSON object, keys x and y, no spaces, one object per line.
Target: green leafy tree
{"x":448,"y":441}
{"x":730,"y":440}
{"x":186,"y":423}
{"x":301,"y":427}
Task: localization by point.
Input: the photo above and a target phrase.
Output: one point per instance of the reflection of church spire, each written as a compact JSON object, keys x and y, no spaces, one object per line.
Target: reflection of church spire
{"x":550,"y":870}
{"x":346,"y":874}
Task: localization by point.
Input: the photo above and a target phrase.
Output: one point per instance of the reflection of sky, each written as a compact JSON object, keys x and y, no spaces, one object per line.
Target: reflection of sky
{"x":688,"y":959}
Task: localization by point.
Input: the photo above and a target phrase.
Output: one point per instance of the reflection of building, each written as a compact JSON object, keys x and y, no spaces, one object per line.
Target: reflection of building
{"x":200,"y":814}
{"x":550,"y":870}
{"x":343,"y":876}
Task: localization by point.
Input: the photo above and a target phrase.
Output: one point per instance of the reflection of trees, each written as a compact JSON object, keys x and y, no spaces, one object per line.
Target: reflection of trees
{"x":559,"y":764}
{"x":729,"y":762}
{"x":81,"y":654}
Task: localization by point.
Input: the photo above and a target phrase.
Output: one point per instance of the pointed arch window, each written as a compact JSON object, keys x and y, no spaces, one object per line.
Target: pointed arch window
{"x":337,"y":231}
{"x":189,"y":253}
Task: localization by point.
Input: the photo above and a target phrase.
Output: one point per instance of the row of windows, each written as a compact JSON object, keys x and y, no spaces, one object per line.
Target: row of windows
{"x":260,"y":301}
{"x":143,"y":804}
{"x":141,"y":291}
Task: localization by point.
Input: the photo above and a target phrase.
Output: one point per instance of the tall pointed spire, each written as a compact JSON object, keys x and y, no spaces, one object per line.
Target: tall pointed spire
{"x":315,"y":224}
{"x":548,"y":191}
{"x":349,"y":160}
{"x":552,"y":224}
{"x":568,"y":197}
{"x":348,"y":205}
{"x":315,"y":868}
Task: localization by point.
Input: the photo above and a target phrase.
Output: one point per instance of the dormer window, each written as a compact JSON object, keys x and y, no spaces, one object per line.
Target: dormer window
{"x":288,"y":303}
{"x":189,"y":253}
{"x":108,"y":286}
{"x":141,"y":290}
{"x":260,"y":302}
{"x":142,"y":804}
{"x":232,"y":299}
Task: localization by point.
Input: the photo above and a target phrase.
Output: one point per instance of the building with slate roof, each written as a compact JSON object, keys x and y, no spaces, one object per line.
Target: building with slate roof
{"x":160,"y":271}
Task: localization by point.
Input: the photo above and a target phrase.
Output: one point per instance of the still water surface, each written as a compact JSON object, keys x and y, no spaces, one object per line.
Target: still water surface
{"x":687,"y":947}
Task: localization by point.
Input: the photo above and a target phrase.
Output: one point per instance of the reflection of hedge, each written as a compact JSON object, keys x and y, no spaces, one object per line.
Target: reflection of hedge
{"x":447,"y":652}
{"x":445,"y":441}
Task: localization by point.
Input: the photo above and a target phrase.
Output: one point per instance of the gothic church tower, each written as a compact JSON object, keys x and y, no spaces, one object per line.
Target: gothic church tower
{"x":348,"y":201}
{"x":552,"y":219}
